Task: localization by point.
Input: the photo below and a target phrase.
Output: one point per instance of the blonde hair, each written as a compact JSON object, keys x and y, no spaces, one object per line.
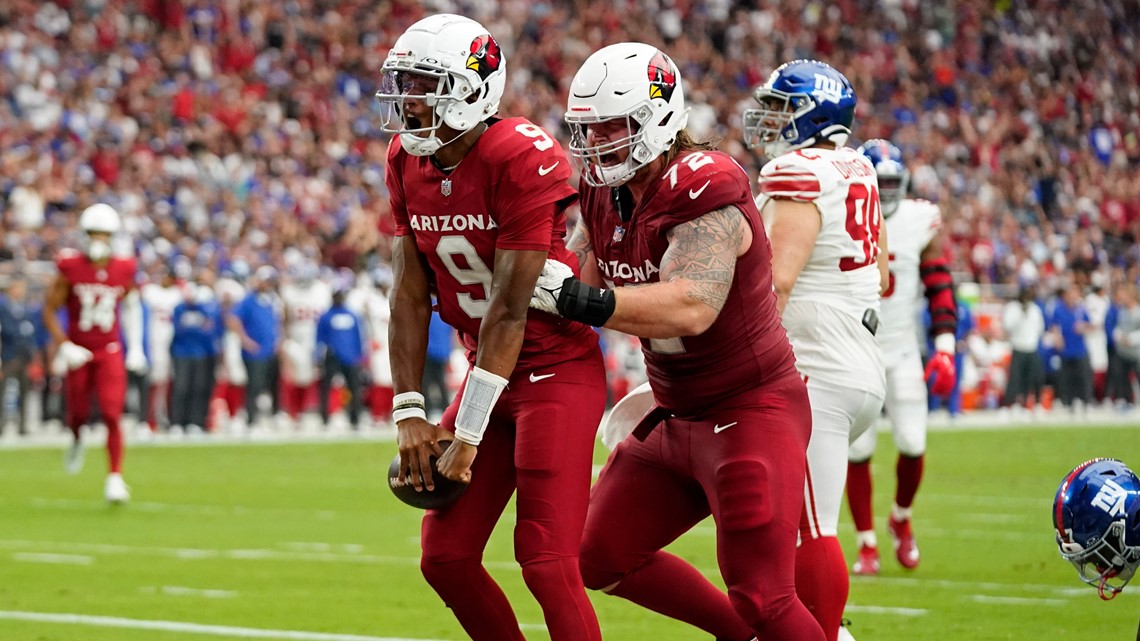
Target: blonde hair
{"x":686,"y":142}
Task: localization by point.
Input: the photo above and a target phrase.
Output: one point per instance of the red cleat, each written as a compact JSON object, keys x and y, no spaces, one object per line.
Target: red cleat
{"x":868,"y":562}
{"x":906,"y":549}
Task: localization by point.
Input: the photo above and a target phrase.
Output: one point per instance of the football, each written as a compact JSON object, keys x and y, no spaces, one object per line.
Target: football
{"x":446,"y":491}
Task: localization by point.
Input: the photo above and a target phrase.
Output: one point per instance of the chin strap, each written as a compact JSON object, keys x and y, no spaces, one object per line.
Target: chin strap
{"x":1112,"y":591}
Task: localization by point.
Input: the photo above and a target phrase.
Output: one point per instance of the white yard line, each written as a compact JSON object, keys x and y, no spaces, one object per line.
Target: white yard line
{"x":1013,"y":600}
{"x":64,"y":559}
{"x":877,"y":609}
{"x":190,"y":628}
{"x":178,"y":590}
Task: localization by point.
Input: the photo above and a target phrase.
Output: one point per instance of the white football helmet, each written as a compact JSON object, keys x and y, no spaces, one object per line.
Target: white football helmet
{"x":451,"y":63}
{"x":633,"y":81}
{"x":99,"y":217}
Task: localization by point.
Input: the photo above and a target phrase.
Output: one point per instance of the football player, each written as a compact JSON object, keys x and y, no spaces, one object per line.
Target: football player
{"x":91,"y":285}
{"x":915,"y":256}
{"x":1096,"y":517}
{"x":161,"y":298}
{"x":305,"y":298}
{"x":820,"y":204}
{"x":369,"y":300}
{"x":673,"y":251}
{"x":478,"y":203}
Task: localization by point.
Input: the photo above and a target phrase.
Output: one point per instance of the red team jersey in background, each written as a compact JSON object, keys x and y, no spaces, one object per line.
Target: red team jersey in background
{"x":499,"y":197}
{"x":746,"y":346}
{"x":94,"y":296}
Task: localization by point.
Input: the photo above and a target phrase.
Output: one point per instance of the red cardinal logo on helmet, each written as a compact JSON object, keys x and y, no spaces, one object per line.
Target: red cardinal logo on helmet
{"x":662,"y":77}
{"x":486,"y":57}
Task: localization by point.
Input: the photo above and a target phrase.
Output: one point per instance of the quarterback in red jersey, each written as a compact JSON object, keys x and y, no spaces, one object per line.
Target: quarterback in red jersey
{"x":671,"y":232}
{"x":478,"y":203}
{"x":90,"y":286}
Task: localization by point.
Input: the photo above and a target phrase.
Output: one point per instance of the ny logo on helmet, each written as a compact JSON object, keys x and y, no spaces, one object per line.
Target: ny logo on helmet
{"x":827,"y":88}
{"x":662,"y":78}
{"x":1110,"y":498}
{"x":485,"y":56}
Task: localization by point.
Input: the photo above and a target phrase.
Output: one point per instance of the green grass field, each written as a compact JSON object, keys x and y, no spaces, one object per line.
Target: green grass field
{"x":303,"y":541}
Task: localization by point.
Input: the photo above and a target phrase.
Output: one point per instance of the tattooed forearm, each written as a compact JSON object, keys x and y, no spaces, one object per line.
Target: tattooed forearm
{"x":580,"y":244}
{"x":702,"y":252}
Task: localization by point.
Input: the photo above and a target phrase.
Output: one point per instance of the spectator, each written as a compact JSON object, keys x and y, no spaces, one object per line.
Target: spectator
{"x":1069,"y":324}
{"x":1127,"y":339}
{"x":340,"y":348}
{"x":17,"y":348}
{"x":440,"y":339}
{"x":1096,"y":340}
{"x":257,"y":321}
{"x":1024,"y":324}
{"x":194,"y":348}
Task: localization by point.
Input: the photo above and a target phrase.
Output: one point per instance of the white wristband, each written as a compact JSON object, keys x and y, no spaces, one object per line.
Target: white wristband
{"x":480,"y":394}
{"x":408,"y":405}
{"x":945,"y":343}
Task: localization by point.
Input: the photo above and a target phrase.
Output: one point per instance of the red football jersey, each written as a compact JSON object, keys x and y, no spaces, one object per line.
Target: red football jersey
{"x":746,"y":346}
{"x":94,"y":296}
{"x":499,"y":197}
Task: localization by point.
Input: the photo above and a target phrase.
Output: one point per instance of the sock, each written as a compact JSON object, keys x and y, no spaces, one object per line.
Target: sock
{"x":114,"y":445}
{"x":476,"y":600}
{"x":859,"y":495}
{"x":867,"y":539}
{"x":909,"y":472}
{"x":900,"y":513}
{"x":656,"y":586}
{"x":557,"y":586}
{"x":822,"y":582}
{"x":75,"y":430}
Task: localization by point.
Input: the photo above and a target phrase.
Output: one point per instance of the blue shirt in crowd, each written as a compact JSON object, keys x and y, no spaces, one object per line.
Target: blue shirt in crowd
{"x":1066,"y":318}
{"x":258,"y":315}
{"x":341,"y":332}
{"x":197,"y":330}
{"x":17,"y":329}
{"x":439,"y":339}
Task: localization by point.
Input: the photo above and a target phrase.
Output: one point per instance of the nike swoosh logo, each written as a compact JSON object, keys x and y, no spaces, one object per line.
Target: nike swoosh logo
{"x":696,"y":193}
{"x":542,"y":171}
{"x":534,"y":378}
{"x":720,"y":428}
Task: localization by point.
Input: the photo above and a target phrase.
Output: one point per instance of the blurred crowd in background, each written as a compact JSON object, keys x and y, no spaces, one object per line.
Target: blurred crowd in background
{"x":236,"y":134}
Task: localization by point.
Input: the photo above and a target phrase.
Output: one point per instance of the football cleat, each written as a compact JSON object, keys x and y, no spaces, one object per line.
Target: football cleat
{"x":73,"y":457}
{"x":867,"y":564}
{"x":445,"y":493}
{"x":844,"y":633}
{"x":906,"y":549}
{"x":115,"y":489}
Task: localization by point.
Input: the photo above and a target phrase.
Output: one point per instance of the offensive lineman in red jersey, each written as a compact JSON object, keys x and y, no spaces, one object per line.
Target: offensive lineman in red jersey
{"x":669,"y":227}
{"x":91,"y":285}
{"x":478,"y":203}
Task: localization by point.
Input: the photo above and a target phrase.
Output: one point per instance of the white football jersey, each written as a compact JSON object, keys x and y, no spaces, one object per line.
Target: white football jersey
{"x":160,"y":302}
{"x":840,"y":282}
{"x":372,"y":305}
{"x":304,"y":306}
{"x":909,"y":230}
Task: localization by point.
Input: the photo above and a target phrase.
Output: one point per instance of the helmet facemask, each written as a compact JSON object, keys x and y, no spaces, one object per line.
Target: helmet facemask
{"x":1107,"y":564}
{"x":600,"y":171}
{"x":893,"y":180}
{"x":774,"y":124}
{"x":97,"y":248}
{"x":436,"y":88}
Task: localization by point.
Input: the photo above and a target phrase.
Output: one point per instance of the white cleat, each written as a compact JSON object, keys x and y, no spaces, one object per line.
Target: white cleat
{"x":73,"y":457}
{"x":115,"y":489}
{"x":844,"y":635}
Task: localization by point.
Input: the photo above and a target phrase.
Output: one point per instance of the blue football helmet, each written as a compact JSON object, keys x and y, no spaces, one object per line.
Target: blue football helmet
{"x":893,"y":176}
{"x":1096,"y":515}
{"x":804,"y":102}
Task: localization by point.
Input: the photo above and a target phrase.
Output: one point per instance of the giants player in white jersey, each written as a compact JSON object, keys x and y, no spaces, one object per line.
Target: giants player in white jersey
{"x":916,"y":254}
{"x":306,"y":299}
{"x":370,"y":301}
{"x":820,"y":205}
{"x":160,"y":299}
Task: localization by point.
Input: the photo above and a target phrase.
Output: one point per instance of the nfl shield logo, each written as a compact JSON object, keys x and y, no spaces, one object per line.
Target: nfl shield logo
{"x":619,"y":233}
{"x":445,"y":187}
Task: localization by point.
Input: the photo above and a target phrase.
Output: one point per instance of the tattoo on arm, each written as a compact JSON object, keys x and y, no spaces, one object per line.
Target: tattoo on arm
{"x":580,"y":243}
{"x":703,"y":253}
